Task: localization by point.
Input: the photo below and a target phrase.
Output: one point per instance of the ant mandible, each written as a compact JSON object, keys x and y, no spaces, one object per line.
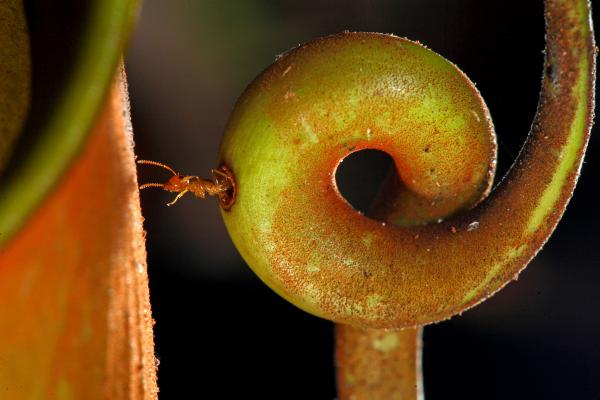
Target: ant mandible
{"x":222,"y":184}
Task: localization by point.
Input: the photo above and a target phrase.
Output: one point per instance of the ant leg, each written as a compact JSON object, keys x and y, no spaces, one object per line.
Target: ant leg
{"x":219,"y":172}
{"x":180,"y":195}
{"x":222,"y":179}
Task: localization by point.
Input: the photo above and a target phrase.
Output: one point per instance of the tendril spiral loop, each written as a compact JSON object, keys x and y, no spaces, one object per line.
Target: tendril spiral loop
{"x":326,"y":99}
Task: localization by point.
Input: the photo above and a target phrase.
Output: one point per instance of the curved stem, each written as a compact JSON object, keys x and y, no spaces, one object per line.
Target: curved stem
{"x":315,"y":250}
{"x":524,"y":209}
{"x":383,"y":364}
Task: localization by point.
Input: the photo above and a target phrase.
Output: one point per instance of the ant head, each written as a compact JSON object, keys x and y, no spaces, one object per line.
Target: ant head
{"x":177,"y":183}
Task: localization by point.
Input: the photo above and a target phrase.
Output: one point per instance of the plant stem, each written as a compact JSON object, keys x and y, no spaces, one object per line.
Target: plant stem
{"x":377,"y":364}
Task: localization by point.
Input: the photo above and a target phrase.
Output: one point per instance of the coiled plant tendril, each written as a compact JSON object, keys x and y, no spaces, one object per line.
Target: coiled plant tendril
{"x":326,"y":99}
{"x":435,"y":244}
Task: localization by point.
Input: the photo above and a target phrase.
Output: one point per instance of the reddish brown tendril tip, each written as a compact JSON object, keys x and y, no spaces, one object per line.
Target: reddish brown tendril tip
{"x":227,"y":197}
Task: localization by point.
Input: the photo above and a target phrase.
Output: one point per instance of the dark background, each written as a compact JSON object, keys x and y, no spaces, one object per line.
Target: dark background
{"x":219,"y":329}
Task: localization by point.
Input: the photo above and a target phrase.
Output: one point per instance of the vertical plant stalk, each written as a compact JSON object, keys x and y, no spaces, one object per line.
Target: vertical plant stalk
{"x":378,"y":364}
{"x":385,"y":364}
{"x":75,"y":319}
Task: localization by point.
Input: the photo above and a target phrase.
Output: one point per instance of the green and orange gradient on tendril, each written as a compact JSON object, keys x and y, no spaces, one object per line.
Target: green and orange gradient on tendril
{"x":424,"y":258}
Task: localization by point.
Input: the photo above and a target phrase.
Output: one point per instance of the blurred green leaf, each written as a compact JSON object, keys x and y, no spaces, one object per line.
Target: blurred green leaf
{"x":72,"y":113}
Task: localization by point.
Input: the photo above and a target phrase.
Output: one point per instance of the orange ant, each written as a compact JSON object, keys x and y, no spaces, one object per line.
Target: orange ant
{"x":222,"y":185}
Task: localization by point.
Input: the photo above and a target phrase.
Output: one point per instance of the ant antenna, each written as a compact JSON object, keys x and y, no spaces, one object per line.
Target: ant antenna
{"x":147,"y":185}
{"x":165,"y":166}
